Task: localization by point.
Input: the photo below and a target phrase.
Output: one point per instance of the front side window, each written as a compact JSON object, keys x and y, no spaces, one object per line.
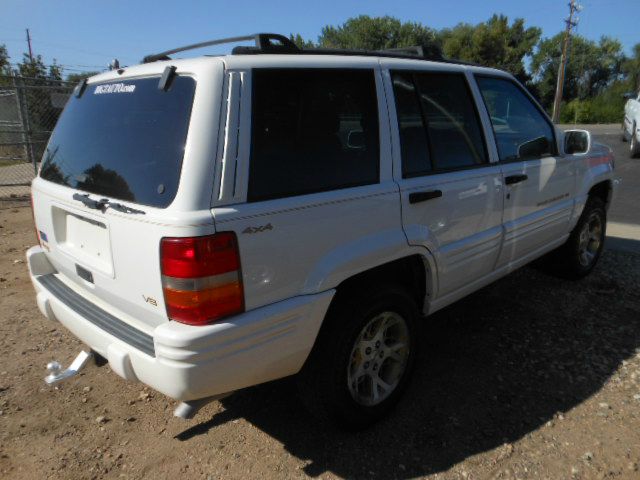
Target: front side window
{"x":438,"y":123}
{"x":313,"y":130}
{"x":521,"y":130}
{"x":414,"y":148}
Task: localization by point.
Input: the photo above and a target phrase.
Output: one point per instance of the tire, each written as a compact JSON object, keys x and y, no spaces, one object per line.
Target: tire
{"x":341,"y":357}
{"x":634,"y":145}
{"x":580,"y":254}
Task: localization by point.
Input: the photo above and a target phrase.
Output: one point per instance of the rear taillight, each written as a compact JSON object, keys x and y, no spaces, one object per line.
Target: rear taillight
{"x":201,"y":278}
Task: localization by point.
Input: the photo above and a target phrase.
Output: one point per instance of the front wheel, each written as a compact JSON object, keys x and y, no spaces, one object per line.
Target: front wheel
{"x":634,"y":145}
{"x":362,"y":359}
{"x":580,"y":254}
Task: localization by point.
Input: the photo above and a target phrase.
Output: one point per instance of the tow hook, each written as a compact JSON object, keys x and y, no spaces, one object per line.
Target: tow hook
{"x":56,"y":374}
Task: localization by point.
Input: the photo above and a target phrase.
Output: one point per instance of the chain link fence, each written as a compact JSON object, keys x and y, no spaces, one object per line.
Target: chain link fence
{"x":29,"y":109}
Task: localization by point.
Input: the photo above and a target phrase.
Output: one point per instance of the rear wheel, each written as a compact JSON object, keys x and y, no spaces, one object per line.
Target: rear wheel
{"x":362,"y":359}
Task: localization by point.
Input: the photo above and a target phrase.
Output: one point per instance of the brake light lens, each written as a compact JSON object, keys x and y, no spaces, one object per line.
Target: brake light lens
{"x":201,"y":278}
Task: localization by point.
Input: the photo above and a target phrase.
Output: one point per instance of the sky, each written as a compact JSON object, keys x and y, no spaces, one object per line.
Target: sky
{"x":83,"y":35}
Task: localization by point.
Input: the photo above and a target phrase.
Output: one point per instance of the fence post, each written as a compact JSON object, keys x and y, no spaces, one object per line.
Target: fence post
{"x":25,"y":148}
{"x":26,"y":124}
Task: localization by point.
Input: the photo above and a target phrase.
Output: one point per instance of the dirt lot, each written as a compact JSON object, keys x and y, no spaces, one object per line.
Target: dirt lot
{"x":532,"y":377}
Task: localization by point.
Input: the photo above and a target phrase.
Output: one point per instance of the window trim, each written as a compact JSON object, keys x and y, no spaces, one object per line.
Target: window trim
{"x":379,"y":116}
{"x":545,"y":117}
{"x":435,"y":170}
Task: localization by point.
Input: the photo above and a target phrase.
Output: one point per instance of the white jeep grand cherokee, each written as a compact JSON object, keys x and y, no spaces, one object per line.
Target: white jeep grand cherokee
{"x":210,"y":224}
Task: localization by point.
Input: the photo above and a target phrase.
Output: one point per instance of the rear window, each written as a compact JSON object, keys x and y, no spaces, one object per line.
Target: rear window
{"x":123,"y":140}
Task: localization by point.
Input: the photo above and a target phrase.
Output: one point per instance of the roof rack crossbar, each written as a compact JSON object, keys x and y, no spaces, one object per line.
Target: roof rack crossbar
{"x":413,"y":50}
{"x":264,"y":42}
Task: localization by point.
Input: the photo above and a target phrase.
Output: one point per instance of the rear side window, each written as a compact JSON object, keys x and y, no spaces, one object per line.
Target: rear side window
{"x":123,"y":140}
{"x":313,"y":130}
{"x":522,"y":132}
{"x":438,"y":123}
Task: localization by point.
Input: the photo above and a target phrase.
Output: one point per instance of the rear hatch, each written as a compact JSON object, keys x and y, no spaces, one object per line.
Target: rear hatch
{"x":110,"y":184}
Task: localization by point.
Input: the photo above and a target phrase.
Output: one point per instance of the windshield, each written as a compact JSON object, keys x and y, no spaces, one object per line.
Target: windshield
{"x":123,"y":139}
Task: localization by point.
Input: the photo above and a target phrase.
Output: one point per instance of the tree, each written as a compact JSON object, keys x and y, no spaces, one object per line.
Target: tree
{"x":32,"y":67}
{"x":378,"y":33}
{"x":76,"y":77}
{"x":631,"y":69}
{"x":591,"y":66}
{"x":301,"y":42}
{"x":493,"y":43}
{"x":55,"y":71}
{"x":5,"y":64}
{"x":42,"y":113}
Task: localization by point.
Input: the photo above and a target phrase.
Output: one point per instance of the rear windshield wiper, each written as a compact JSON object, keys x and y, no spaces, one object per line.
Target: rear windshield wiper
{"x":123,"y":208}
{"x":103,"y":203}
{"x":89,"y":202}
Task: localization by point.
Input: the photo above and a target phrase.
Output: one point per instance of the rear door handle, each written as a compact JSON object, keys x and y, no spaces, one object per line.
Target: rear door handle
{"x":417,"y":197}
{"x":511,"y":179}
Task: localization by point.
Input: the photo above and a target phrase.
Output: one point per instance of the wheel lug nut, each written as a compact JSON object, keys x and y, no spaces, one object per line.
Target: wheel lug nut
{"x":366,"y":365}
{"x":375,"y":367}
{"x":368,"y":350}
{"x":381,"y":354}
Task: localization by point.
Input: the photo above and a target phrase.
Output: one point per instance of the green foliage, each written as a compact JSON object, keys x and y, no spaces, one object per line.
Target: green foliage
{"x":631,"y":68}
{"x":597,"y":73}
{"x":32,"y":68}
{"x":5,"y":65}
{"x":41,"y":112}
{"x":493,"y":43}
{"x":76,"y":77}
{"x":606,"y":107}
{"x":591,"y":67}
{"x":378,"y":33}
{"x":301,"y":42}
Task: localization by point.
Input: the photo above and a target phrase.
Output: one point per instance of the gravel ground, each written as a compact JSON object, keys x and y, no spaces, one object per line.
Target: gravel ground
{"x":531,"y":377}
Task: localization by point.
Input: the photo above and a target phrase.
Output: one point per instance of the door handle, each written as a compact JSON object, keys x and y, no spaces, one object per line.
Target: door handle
{"x":511,"y":179}
{"x":417,"y":197}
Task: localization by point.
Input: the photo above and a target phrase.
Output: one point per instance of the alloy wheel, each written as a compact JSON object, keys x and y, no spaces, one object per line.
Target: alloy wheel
{"x":378,"y":359}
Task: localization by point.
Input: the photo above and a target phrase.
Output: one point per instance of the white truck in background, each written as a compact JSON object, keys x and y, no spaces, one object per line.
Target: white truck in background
{"x":631,"y":123}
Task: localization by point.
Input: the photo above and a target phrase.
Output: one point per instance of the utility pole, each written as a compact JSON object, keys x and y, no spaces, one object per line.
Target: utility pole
{"x":29,"y":43}
{"x":573,"y":9}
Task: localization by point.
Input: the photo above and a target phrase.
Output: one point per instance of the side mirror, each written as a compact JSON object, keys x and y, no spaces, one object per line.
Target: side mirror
{"x":628,"y":95}
{"x":577,"y":142}
{"x":534,"y":148}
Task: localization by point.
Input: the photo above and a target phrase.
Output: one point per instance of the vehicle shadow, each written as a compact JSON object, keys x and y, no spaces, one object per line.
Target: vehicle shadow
{"x":493,"y":368}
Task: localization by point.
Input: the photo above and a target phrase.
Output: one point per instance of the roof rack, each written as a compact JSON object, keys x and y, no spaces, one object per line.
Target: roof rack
{"x":264,"y":43}
{"x":275,"y":43}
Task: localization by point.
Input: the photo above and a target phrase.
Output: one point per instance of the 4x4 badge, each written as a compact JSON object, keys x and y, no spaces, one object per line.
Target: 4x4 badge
{"x":261,"y":228}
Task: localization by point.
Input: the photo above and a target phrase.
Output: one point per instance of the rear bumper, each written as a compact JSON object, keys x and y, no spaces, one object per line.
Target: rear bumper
{"x":182,"y":361}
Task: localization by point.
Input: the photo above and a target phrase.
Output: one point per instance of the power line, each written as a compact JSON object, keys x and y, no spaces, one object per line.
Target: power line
{"x":80,"y":50}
